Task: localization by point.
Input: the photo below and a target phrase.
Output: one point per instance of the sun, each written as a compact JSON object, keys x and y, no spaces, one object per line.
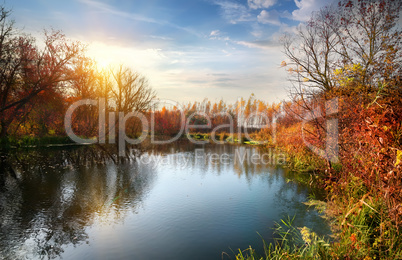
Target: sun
{"x":102,"y":63}
{"x":102,"y":55}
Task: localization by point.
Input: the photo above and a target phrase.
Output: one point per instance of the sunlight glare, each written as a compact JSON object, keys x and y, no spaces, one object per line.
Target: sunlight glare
{"x":102,"y":56}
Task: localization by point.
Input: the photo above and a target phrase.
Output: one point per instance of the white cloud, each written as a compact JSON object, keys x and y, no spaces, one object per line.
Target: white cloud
{"x":286,"y":14}
{"x":256,"y":4}
{"x":257,"y":32}
{"x":218,"y":35}
{"x":234,"y":12}
{"x":189,"y":75}
{"x":269,"y":17}
{"x":283,"y":28}
{"x":288,"y":29}
{"x":139,"y":59}
{"x":306,"y":7}
{"x":214,"y":33}
{"x":262,"y":44}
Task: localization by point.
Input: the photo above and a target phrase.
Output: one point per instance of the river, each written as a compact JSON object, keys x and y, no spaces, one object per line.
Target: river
{"x":177,"y":201}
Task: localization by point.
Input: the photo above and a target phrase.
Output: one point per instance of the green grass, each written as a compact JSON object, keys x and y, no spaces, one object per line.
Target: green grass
{"x":223,"y":137}
{"x":28,"y":141}
{"x":291,"y":243}
{"x":198,"y":136}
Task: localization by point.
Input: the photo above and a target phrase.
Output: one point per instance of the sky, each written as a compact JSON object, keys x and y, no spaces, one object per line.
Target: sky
{"x":187,"y":49}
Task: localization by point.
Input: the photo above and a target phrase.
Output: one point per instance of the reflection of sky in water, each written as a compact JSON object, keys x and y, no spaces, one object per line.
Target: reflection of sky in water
{"x":67,"y":187}
{"x":169,"y":204}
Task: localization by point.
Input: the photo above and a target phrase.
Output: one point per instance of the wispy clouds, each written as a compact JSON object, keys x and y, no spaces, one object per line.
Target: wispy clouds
{"x":257,"y":4}
{"x":214,"y":33}
{"x":106,"y":8}
{"x":261,"y":44}
{"x":306,"y":7}
{"x":218,"y":35}
{"x":269,"y":17}
{"x":234,"y":12}
{"x":111,"y":10}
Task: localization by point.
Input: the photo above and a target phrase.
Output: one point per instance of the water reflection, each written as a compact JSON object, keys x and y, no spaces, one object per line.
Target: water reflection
{"x":176,"y":201}
{"x":48,"y":197}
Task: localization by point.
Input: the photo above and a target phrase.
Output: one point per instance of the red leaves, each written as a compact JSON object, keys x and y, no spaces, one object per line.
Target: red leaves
{"x":167,"y":122}
{"x":372,"y":142}
{"x":349,"y":4}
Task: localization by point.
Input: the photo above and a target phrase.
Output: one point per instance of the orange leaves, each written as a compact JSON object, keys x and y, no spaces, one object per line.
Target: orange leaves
{"x":353,"y":238}
{"x":372,"y":147}
{"x":398,"y":160}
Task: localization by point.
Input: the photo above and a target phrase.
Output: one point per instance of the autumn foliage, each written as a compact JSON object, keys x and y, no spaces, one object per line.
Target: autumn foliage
{"x":351,"y":53}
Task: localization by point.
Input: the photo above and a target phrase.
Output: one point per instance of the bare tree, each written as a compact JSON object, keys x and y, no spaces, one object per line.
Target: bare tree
{"x":364,"y":33}
{"x":84,"y":85}
{"x":130,"y":91}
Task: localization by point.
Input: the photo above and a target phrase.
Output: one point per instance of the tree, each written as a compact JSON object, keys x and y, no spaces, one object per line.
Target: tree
{"x":87,"y":83}
{"x":351,"y":51}
{"x":363,"y":32}
{"x":130,"y":91}
{"x":27,"y":70}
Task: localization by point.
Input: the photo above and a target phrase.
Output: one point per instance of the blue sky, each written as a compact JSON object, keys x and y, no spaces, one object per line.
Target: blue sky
{"x":188,"y":49}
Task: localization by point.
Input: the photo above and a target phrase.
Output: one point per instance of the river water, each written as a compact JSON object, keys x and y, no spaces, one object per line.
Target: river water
{"x":178,"y":201}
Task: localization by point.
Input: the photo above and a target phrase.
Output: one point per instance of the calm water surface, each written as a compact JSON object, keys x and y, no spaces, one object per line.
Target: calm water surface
{"x":169,"y":203}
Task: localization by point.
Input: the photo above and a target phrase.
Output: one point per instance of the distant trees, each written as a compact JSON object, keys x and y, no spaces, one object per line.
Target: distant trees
{"x":250,"y":116}
{"x":168,"y":121}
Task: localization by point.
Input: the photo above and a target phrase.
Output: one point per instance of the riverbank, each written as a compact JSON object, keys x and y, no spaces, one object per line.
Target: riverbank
{"x":33,"y":141}
{"x":224,"y":138}
{"x":361,"y":223}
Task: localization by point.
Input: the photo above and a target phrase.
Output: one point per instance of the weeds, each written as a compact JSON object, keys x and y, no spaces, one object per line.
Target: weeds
{"x":291,"y":243}
{"x":361,"y":225}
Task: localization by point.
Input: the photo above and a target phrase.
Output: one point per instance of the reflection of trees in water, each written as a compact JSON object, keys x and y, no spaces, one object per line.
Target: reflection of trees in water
{"x":210,"y":158}
{"x":179,"y":146}
{"x":49,"y":197}
{"x":250,"y":161}
{"x":193,"y":156}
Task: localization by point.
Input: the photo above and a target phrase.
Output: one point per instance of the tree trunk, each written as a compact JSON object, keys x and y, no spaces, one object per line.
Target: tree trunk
{"x":4,"y":128}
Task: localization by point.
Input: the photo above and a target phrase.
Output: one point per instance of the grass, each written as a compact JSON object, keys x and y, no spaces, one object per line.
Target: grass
{"x":223,"y":138}
{"x":361,"y":226}
{"x":291,"y":243}
{"x":28,"y":141}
